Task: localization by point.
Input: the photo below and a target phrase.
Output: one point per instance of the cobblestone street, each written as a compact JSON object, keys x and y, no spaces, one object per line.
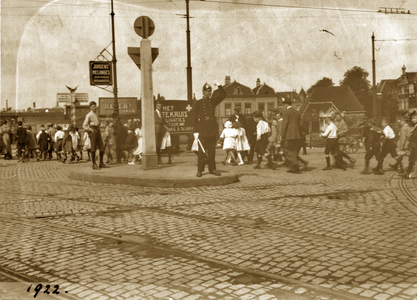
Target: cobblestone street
{"x":323,"y":235}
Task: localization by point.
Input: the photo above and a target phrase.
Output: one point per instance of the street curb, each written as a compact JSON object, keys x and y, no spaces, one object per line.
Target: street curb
{"x":166,"y":176}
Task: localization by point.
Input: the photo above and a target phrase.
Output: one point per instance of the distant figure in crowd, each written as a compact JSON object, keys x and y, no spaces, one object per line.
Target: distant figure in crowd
{"x":262,"y":134}
{"x":206,"y":128}
{"x":388,"y":146}
{"x":373,"y":146}
{"x":108,"y":139}
{"x":44,"y":141}
{"x":131,"y":142}
{"x":7,"y":142}
{"x":21,"y":141}
{"x":332,"y":144}
{"x":32,"y":144}
{"x":342,"y":129}
{"x":273,"y":140}
{"x":160,"y":129}
{"x":120,"y":137}
{"x":238,"y":117}
{"x":51,"y":132}
{"x":251,"y":135}
{"x":91,"y":125}
{"x":138,"y":151}
{"x":402,"y":144}
{"x":228,"y":136}
{"x":412,"y":145}
{"x":59,"y":139}
{"x":242,"y":144}
{"x":291,"y":136}
{"x":87,"y":145}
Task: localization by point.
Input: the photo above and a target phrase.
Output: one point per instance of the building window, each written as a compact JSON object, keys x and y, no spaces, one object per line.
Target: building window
{"x":411,"y":89}
{"x":228,"y":109}
{"x":237,"y":91}
{"x":261,"y":107}
{"x":248,"y":108}
{"x":238,"y":105}
{"x":270,"y":107}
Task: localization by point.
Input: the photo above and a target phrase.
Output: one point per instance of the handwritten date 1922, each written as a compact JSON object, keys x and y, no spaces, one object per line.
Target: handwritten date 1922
{"x":38,"y":288}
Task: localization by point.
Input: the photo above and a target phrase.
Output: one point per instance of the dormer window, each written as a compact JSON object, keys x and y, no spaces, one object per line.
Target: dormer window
{"x":237,"y":91}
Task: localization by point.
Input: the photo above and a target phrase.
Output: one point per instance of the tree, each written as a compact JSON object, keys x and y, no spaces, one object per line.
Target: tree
{"x":356,"y":79}
{"x":324,"y":82}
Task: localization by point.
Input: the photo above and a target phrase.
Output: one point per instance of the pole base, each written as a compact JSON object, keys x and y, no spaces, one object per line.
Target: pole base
{"x":149,"y":161}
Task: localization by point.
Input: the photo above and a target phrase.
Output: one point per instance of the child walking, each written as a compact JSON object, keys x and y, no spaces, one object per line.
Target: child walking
{"x":332,"y":144}
{"x":138,"y":151}
{"x":388,"y":146}
{"x":402,"y":144}
{"x":32,"y":145}
{"x":373,"y":145}
{"x":262,"y":134}
{"x":229,"y":144}
{"x":242,"y":144}
{"x":273,"y":140}
{"x":21,"y":140}
{"x":412,"y":145}
{"x":59,"y":139}
{"x":43,"y":142}
{"x":87,"y":144}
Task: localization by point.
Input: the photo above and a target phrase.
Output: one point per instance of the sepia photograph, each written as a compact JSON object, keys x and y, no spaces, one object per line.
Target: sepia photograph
{"x":208,"y":149}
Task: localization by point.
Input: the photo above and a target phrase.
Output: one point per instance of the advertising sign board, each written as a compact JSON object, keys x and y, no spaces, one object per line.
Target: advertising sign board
{"x":127,"y":106}
{"x":100,"y":73}
{"x":178,"y":115}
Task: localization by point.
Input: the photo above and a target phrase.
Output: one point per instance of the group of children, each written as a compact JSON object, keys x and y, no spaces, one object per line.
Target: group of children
{"x":381,"y":142}
{"x":237,"y":146}
{"x":65,"y":142}
{"x":378,"y":143}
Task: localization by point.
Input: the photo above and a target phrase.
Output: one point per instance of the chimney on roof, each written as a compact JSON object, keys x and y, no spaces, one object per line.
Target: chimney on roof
{"x":227,"y":80}
{"x":403,"y":68}
{"x":34,"y":104}
{"x":258,"y":82}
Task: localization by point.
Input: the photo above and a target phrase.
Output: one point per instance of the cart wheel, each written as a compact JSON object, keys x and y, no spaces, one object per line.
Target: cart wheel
{"x":352,"y":144}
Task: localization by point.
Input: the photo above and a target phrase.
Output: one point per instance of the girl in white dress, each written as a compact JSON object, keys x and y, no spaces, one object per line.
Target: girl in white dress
{"x":229,"y":141}
{"x":138,"y":151}
{"x":242,"y":143}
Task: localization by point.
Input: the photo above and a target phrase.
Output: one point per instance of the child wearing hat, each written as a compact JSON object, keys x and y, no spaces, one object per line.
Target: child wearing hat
{"x":59,"y":139}
{"x":43,"y":141}
{"x":229,"y":141}
{"x":262,"y":134}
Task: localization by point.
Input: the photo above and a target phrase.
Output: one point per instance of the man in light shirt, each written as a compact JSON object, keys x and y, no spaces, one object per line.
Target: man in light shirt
{"x":91,"y":125}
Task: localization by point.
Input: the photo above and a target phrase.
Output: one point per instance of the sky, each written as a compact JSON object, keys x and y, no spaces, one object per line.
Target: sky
{"x":288,"y":45}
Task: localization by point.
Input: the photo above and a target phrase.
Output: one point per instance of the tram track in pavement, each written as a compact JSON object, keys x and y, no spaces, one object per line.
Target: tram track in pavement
{"x":408,"y":200}
{"x":318,"y":292}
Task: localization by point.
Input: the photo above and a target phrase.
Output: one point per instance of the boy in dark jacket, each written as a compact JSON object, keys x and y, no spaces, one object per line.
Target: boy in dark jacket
{"x":43,"y":142}
{"x":21,"y":141}
{"x":373,"y":145}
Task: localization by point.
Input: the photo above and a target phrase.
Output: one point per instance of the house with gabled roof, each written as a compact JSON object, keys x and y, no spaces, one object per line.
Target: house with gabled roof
{"x":324,"y":100}
{"x":405,"y":90}
{"x":262,"y":98}
{"x":296,"y":99}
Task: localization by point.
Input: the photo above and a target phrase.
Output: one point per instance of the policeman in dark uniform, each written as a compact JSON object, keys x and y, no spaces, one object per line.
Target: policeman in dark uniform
{"x":206,"y":127}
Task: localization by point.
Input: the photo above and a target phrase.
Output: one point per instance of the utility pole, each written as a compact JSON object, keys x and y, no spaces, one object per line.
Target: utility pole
{"x":374,"y":103}
{"x":189,"y":70}
{"x":114,"y":60}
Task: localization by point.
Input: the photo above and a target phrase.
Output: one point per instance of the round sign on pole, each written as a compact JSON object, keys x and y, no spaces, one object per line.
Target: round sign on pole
{"x":144,"y":26}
